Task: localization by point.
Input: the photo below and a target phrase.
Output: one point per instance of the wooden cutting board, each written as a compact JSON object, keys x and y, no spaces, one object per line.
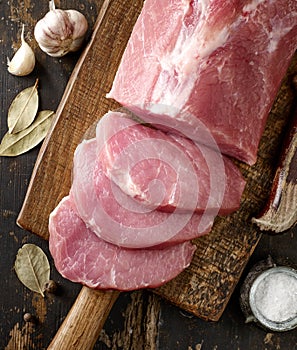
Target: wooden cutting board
{"x":206,"y":286}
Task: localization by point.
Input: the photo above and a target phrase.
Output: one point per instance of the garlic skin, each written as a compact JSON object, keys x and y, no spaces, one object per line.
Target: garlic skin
{"x":23,"y":61}
{"x":60,"y":31}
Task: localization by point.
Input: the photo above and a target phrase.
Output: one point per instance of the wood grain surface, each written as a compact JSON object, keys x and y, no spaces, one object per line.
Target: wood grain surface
{"x":141,"y":319}
{"x":206,"y":286}
{"x":77,"y":334}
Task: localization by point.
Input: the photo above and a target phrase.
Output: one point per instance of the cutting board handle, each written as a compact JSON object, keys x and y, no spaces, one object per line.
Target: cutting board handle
{"x":81,"y":327}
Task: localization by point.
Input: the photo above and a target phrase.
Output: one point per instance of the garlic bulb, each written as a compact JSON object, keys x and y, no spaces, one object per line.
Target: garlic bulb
{"x":23,"y":61}
{"x":60,"y":31}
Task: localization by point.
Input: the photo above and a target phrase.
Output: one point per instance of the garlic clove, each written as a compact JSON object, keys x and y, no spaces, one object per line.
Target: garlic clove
{"x":60,"y":31}
{"x":23,"y":61}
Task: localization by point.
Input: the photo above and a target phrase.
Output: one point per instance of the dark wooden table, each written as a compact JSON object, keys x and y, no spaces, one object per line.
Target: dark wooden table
{"x":138,"y":320}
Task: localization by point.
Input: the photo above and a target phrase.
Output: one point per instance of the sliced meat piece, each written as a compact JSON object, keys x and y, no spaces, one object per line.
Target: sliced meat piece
{"x":119,"y":219}
{"x":83,"y":257}
{"x":165,"y":171}
{"x":233,"y":185}
{"x":208,"y":67}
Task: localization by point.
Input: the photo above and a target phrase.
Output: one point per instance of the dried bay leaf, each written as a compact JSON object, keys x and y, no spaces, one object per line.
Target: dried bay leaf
{"x":32,"y":267}
{"x":16,"y":144}
{"x":23,"y":109}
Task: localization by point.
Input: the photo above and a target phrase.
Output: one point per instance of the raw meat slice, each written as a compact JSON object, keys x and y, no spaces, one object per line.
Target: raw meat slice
{"x":165,"y":171}
{"x":234,"y":181}
{"x":117,"y":218}
{"x":208,"y":66}
{"x":81,"y":256}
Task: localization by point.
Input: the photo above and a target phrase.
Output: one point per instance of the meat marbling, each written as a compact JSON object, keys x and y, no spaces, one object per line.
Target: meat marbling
{"x":212,"y":65}
{"x":118,"y":218}
{"x":166,"y":171}
{"x":83,"y":257}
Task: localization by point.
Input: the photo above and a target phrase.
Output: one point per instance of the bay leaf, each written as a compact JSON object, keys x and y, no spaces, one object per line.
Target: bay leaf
{"x":23,"y":109}
{"x":16,"y":144}
{"x":32,"y":267}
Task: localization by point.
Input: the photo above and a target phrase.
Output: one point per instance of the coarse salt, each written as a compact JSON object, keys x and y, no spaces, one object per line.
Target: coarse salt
{"x":276,"y":297}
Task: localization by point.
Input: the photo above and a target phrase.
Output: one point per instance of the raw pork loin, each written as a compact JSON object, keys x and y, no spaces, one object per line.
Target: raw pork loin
{"x":165,"y":171}
{"x":119,"y":219}
{"x":208,"y":67}
{"x":83,"y":257}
